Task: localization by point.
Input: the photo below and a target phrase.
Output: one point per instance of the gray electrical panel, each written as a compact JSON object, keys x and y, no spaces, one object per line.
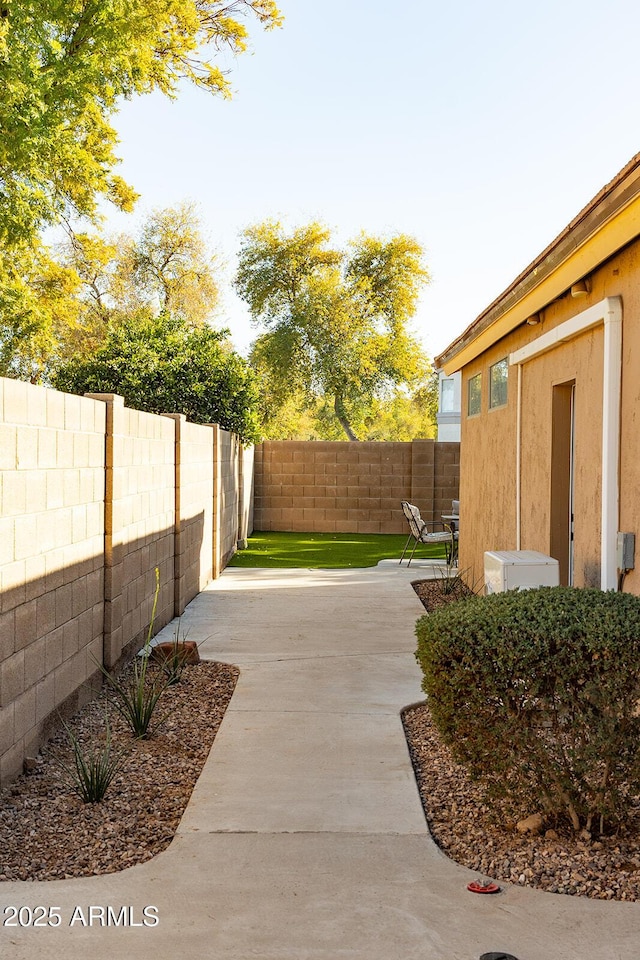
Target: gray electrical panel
{"x":626,"y":550}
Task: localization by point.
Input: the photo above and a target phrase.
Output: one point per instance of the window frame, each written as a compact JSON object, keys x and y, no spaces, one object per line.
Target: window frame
{"x":497,"y":403}
{"x":450,"y":406}
{"x":476,"y":412}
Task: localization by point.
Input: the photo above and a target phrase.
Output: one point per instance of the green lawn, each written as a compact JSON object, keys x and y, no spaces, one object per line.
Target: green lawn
{"x":327,"y":550}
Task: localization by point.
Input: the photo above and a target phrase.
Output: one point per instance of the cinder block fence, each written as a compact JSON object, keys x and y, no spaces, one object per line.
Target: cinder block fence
{"x":93,"y":497}
{"x":344,"y":487}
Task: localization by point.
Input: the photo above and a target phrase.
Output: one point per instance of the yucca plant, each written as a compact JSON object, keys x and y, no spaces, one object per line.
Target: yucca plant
{"x":137,"y":697}
{"x":175,"y":659}
{"x":174,"y":663}
{"x":456,"y":584}
{"x":93,"y":768}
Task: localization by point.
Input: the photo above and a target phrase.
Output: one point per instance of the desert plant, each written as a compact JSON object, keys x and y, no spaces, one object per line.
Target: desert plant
{"x":454,"y":584}
{"x":176,"y":657}
{"x":93,"y":768}
{"x":137,"y":696}
{"x":537,"y":694}
{"x":174,"y":663}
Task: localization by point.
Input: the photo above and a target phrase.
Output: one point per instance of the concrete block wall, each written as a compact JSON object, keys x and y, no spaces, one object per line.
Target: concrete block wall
{"x":139,"y":524}
{"x":342,"y":487}
{"x":246,"y":494}
{"x":93,"y":498}
{"x":194,"y":510}
{"x":52,"y":490}
{"x":228,"y":494}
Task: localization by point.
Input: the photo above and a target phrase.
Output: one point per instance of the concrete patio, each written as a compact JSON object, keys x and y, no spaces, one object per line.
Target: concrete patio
{"x":305,"y":838}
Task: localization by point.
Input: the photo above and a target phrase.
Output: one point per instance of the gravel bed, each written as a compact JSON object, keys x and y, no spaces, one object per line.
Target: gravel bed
{"x":47,"y":833}
{"x":432,"y":592}
{"x":483,"y":837}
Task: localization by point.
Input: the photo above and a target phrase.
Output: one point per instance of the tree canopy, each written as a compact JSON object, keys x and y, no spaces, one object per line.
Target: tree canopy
{"x":337,"y":322}
{"x":396,"y":416}
{"x":164,"y":266}
{"x":64,"y":67}
{"x":164,"y":364}
{"x":62,"y":300}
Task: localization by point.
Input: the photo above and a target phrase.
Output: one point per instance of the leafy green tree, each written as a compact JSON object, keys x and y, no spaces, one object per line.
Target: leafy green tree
{"x":164,"y":267}
{"x":165,"y":364}
{"x":337,"y":322}
{"x":92,"y":260}
{"x":37,"y":306}
{"x":59,"y":303}
{"x":294,"y":419}
{"x":399,"y":416}
{"x":65,"y":66}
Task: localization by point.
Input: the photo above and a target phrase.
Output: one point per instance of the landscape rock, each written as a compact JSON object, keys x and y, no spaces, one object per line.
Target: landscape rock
{"x":186,"y":650}
{"x":481,"y":835}
{"x":532,"y":824}
{"x":47,"y":833}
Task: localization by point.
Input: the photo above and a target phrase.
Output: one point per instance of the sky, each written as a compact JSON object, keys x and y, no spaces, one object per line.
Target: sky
{"x":481,"y":129}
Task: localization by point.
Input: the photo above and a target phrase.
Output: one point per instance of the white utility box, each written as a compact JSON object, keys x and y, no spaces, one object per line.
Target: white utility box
{"x":519,"y":570}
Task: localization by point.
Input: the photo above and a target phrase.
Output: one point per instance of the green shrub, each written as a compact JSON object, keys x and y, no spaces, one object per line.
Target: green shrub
{"x":538,"y":694}
{"x":165,"y":363}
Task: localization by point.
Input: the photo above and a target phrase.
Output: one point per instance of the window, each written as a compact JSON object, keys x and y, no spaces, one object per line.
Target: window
{"x":474,"y":395}
{"x":447,"y":396}
{"x":498,"y":375}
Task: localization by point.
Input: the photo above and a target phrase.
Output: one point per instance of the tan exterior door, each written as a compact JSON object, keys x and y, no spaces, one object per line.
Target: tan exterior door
{"x":562,"y":478}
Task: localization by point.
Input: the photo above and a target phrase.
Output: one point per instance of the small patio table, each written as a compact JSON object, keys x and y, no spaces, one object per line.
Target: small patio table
{"x":452,"y":519}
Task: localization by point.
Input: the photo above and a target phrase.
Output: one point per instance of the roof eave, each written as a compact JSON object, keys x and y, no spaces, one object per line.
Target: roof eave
{"x":605,"y":225}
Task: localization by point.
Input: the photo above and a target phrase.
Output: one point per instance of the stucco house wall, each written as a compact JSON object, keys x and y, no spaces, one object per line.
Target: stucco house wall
{"x":488,"y":458}
{"x":494,"y":461}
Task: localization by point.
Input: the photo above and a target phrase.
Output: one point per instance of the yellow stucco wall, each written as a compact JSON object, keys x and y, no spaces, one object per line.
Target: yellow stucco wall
{"x":487,"y":471}
{"x":488,"y":445}
{"x":579,"y":360}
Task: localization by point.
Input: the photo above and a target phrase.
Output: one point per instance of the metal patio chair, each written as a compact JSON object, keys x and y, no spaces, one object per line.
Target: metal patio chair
{"x":424,"y":531}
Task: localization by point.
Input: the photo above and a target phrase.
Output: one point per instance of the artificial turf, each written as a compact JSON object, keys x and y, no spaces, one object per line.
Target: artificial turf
{"x":327,"y":550}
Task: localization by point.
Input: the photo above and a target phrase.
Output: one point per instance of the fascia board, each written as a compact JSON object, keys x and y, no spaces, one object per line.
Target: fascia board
{"x":617,"y":232}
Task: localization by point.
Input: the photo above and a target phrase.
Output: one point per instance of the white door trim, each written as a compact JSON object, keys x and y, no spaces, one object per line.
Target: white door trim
{"x":608,"y":312}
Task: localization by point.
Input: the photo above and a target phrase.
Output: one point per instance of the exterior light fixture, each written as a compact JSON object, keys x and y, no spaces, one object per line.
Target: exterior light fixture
{"x":533,"y":319}
{"x":581,"y":288}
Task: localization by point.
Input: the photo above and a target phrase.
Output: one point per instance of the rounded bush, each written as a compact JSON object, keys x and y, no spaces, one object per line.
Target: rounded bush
{"x":538,"y":694}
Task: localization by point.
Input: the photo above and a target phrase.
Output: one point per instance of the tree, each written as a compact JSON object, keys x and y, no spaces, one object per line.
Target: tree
{"x":165,"y":267}
{"x":38,"y":306}
{"x":164,"y":364}
{"x":64,"y":67}
{"x":94,"y":261}
{"x":399,"y":416}
{"x":402,"y":416}
{"x":337,"y":322}
{"x":58,"y":304}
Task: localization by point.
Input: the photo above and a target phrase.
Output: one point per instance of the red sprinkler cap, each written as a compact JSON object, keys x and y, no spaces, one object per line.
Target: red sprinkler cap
{"x":483,"y":886}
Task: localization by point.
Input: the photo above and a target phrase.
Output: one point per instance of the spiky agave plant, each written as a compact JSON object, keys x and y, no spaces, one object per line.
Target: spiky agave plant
{"x":92,"y":769}
{"x":137,"y":696}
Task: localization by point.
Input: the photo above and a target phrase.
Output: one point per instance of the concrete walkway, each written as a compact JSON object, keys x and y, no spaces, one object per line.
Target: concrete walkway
{"x":305,"y":838}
